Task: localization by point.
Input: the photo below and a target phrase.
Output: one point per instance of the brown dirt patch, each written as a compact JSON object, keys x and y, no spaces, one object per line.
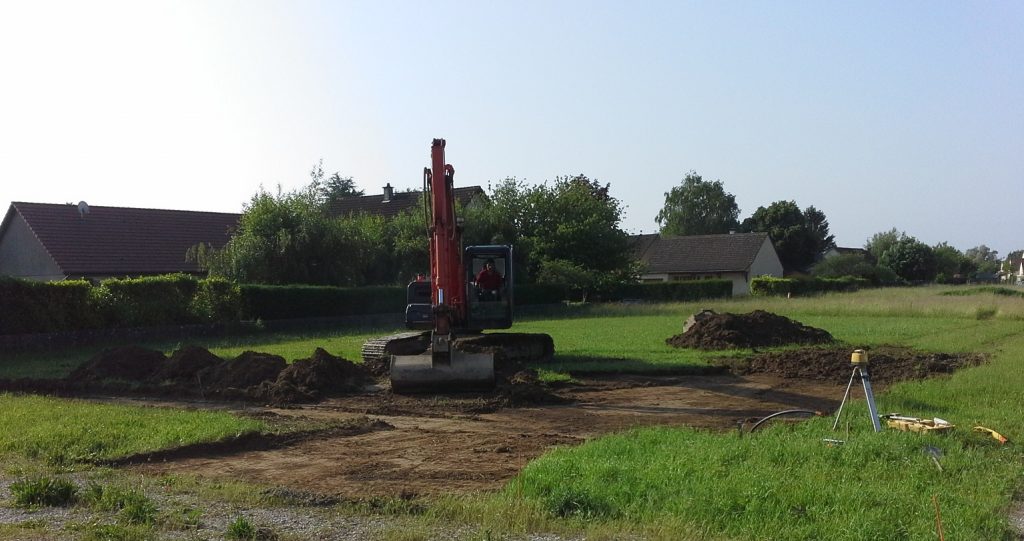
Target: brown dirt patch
{"x":887,"y":364}
{"x":385,"y":445}
{"x":713,"y":331}
{"x":461,"y":443}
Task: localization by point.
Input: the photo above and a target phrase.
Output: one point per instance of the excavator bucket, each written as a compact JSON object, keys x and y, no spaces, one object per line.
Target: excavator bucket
{"x":451,"y":371}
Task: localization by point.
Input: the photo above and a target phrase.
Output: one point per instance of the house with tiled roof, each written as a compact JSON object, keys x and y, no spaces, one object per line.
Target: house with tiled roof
{"x":738,"y":257}
{"x":390,"y":203}
{"x":42,"y":241}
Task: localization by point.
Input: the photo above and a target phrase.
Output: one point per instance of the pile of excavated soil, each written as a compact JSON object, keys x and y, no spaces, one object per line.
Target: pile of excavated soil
{"x":887,"y":364}
{"x":194,"y":370}
{"x":713,"y":331}
{"x":310,"y":379}
{"x":130,"y":363}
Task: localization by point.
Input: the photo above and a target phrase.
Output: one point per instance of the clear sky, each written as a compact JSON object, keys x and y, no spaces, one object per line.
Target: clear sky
{"x":881,"y":114}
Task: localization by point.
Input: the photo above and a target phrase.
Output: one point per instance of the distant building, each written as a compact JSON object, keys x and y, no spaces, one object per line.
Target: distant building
{"x":738,"y":257}
{"x":42,"y":241}
{"x":836,"y":251}
{"x":390,"y":203}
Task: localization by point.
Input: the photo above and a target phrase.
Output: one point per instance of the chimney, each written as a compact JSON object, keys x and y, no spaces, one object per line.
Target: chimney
{"x":389,"y":192}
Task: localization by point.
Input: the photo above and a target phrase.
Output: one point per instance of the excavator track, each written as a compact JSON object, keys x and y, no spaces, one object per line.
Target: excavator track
{"x":377,"y":352}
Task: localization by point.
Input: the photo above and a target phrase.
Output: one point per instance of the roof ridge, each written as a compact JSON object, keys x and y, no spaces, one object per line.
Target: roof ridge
{"x":91,"y":206}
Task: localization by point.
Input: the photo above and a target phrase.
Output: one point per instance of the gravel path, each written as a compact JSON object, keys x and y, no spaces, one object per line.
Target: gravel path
{"x":213,"y":518}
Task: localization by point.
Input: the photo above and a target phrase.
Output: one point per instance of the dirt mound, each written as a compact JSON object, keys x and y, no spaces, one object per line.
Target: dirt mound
{"x":524,"y":388}
{"x":312,"y":378}
{"x":128,"y":363}
{"x":249,"y":369}
{"x":887,"y":365}
{"x":756,"y":329}
{"x":185,"y":364}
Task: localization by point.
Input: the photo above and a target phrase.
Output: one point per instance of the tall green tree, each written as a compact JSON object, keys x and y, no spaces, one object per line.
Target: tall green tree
{"x":951,"y":265}
{"x":987,"y":259}
{"x":332,"y":187}
{"x":799,"y":236}
{"x":880,"y":242}
{"x":910,"y":258}
{"x":562,"y":230}
{"x":698,"y":207}
{"x":288,"y":238}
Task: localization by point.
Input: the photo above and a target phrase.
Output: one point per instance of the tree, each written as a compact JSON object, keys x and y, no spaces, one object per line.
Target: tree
{"x":880,"y":242}
{"x":951,"y":266}
{"x":799,"y":236}
{"x":910,"y":258}
{"x":288,"y":238}
{"x":986,"y":258}
{"x":337,"y":187}
{"x":333,"y":187}
{"x":698,"y":207}
{"x":562,"y":230}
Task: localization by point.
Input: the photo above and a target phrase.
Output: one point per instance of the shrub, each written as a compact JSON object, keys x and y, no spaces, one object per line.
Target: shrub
{"x":771,"y":286}
{"x":216,"y":300}
{"x":287,"y":302}
{"x":44,"y":491}
{"x":149,"y":301}
{"x":527,"y":294}
{"x":241,"y":528}
{"x":33,"y":307}
{"x":133,"y":507}
{"x":673,"y":291}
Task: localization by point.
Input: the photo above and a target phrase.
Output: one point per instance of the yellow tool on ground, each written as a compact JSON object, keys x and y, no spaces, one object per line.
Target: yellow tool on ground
{"x":916,"y":424}
{"x":995,"y":435}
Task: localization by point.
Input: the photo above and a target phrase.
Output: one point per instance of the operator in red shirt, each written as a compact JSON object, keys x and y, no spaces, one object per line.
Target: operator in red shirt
{"x":489,"y":282}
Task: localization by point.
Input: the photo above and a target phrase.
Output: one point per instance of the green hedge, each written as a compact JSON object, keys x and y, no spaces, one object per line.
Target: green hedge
{"x":690,"y":290}
{"x":781,"y":287}
{"x":180,"y":299}
{"x":33,"y":307}
{"x":176,"y":299}
{"x":148,"y":301}
{"x":289,"y":302}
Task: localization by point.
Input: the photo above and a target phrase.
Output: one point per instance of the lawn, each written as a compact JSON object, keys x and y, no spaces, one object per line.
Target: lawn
{"x":678,"y":483}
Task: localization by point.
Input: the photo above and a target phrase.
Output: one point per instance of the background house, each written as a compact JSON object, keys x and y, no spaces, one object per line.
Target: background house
{"x":738,"y":257}
{"x":836,"y":251}
{"x":390,"y":203}
{"x":42,"y":241}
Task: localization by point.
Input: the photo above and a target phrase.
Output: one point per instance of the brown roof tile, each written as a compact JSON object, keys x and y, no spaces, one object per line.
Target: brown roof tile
{"x":400,"y":201}
{"x":123,"y":241}
{"x":702,"y":253}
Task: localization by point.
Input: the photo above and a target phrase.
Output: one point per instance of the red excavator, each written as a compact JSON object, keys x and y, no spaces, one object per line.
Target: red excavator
{"x":470,"y":289}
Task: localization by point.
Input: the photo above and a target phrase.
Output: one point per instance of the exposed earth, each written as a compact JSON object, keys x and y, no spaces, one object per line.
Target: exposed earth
{"x":382,"y":444}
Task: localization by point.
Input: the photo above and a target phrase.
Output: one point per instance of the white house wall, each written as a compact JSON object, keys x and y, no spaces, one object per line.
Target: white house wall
{"x":22,"y":256}
{"x":766,"y":262}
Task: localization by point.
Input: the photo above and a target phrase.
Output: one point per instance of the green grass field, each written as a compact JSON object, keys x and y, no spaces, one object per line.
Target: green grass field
{"x":678,"y":483}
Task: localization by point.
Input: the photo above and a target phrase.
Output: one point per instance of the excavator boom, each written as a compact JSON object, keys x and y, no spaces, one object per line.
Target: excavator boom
{"x":443,"y":367}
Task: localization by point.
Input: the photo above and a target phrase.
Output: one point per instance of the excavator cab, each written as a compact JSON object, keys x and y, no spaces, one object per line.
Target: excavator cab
{"x":489,"y":287}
